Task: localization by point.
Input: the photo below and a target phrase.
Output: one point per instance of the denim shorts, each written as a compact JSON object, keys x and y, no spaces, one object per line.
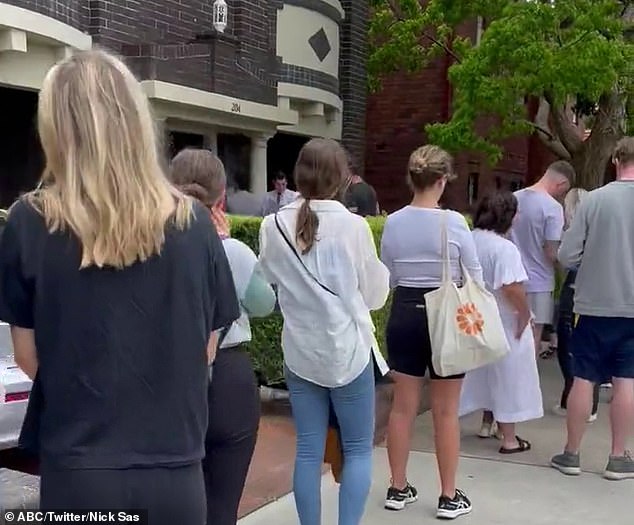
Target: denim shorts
{"x":603,"y":347}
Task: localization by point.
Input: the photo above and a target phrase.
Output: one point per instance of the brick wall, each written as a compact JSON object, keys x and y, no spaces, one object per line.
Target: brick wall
{"x":352,"y":75}
{"x":396,"y":118}
{"x":72,"y":12}
{"x":157,"y":35}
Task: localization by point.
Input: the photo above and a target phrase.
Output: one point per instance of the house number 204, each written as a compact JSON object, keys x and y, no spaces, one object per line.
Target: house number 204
{"x":235,"y":108}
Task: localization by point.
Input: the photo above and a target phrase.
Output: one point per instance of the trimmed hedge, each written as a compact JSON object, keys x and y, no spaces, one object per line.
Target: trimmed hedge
{"x":265,"y":347}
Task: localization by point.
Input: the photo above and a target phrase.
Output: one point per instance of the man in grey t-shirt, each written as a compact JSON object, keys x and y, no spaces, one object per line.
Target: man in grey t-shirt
{"x":537,"y":232}
{"x":600,"y":242}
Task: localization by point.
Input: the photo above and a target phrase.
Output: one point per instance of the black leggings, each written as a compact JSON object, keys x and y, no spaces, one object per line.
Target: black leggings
{"x":234,"y":416}
{"x":170,"y":495}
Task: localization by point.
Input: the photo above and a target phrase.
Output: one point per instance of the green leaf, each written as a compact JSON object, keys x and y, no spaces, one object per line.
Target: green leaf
{"x":568,"y":49}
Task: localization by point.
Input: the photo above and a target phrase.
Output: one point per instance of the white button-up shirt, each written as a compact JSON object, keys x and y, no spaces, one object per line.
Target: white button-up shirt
{"x":327,"y":339}
{"x":273,"y":201}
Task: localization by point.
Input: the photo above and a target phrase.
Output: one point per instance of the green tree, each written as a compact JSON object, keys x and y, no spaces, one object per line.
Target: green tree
{"x":573,"y":56}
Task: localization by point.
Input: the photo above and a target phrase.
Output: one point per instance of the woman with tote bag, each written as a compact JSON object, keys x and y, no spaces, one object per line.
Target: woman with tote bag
{"x":412,"y":249}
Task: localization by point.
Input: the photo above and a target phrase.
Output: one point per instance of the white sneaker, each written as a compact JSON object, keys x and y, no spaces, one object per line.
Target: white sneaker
{"x":485,"y":431}
{"x":490,"y":430}
{"x":562,"y":412}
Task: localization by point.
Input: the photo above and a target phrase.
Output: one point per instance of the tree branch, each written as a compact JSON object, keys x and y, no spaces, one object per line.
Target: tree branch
{"x":576,"y":40}
{"x":565,"y":130}
{"x":395,"y":7}
{"x":541,"y":125}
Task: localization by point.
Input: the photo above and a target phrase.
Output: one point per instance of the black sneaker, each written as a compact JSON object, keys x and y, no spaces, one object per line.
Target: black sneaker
{"x":397,"y":499}
{"x":449,"y":509}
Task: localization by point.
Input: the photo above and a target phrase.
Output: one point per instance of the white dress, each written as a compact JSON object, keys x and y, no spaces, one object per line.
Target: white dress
{"x":509,"y":388}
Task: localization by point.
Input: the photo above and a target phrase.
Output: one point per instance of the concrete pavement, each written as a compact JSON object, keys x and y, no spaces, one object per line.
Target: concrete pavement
{"x":502,"y":493}
{"x":520,"y":489}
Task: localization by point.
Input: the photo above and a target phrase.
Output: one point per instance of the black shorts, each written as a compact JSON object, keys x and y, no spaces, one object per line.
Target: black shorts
{"x":408,"y":344}
{"x":603,"y":347}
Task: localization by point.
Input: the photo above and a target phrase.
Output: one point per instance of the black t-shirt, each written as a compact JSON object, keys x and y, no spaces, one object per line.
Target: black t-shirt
{"x":361,"y":199}
{"x":122,"y":353}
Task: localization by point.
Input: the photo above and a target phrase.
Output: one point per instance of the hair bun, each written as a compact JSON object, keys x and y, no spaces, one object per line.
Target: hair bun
{"x":195,"y":190}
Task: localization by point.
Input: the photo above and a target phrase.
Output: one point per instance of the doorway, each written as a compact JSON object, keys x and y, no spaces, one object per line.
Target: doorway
{"x":21,"y":156}
{"x":282,"y":153}
{"x":234,"y":150}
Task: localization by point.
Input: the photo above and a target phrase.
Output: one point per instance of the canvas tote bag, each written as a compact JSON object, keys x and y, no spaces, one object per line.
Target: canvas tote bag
{"x":464,"y":323}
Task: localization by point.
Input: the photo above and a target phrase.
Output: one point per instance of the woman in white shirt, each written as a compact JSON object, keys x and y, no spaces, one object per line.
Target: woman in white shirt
{"x":509,"y":388}
{"x":323,"y":260}
{"x":411,"y":249}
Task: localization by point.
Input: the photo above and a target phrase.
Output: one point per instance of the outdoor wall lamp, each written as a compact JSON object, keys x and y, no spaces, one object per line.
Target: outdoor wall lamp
{"x":220,"y":15}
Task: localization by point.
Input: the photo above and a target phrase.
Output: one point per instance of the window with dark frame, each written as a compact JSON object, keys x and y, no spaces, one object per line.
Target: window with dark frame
{"x":472,"y":188}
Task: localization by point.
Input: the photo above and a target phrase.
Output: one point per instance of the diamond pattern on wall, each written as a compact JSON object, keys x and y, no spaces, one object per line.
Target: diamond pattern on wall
{"x":320,"y":44}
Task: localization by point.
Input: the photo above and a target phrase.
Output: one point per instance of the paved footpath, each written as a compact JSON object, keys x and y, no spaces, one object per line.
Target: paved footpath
{"x":520,"y":489}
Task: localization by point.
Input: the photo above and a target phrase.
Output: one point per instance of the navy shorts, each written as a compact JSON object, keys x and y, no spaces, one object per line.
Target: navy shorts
{"x":603,"y":347}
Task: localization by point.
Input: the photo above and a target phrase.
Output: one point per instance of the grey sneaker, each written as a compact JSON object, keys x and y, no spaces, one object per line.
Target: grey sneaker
{"x":567,"y":463}
{"x":620,"y":468}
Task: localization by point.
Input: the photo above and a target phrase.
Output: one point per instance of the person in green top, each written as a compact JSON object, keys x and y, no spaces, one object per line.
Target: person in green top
{"x":234,"y":401}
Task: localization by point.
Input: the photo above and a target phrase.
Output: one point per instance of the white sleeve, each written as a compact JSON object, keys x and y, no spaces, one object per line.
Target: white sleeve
{"x":508,"y":267}
{"x":242,"y":261}
{"x":374,"y":277}
{"x":468,"y":251}
{"x":263,"y":259}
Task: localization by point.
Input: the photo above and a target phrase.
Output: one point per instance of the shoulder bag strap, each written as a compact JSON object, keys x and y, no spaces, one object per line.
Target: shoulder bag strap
{"x":299,"y":258}
{"x":444,"y":249}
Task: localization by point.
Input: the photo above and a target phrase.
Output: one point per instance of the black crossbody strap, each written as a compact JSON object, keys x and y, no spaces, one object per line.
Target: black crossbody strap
{"x":299,"y":258}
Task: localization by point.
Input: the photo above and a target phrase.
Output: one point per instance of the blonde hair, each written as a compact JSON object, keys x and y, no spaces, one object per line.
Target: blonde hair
{"x":427,"y":165}
{"x":571,"y":201}
{"x":103,"y":178}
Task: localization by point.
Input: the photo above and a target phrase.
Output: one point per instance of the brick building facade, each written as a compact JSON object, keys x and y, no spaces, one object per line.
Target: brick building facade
{"x":282,"y":70}
{"x":396,"y":117}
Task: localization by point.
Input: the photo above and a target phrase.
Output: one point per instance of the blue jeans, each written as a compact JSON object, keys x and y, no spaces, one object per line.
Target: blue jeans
{"x":354,"y":407}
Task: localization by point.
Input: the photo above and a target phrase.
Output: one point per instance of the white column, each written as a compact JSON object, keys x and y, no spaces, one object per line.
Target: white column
{"x":259,"y":183}
{"x":211,"y":141}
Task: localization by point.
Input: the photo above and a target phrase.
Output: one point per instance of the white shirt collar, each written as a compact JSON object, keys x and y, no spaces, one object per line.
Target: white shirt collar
{"x":319,"y":204}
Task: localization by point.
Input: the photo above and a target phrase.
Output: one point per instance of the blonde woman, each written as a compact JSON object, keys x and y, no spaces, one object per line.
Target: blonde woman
{"x":411,"y":249}
{"x":113,"y":282}
{"x":566,"y":322}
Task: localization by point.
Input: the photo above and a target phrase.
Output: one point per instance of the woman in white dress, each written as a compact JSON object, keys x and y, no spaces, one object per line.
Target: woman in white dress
{"x":509,"y":388}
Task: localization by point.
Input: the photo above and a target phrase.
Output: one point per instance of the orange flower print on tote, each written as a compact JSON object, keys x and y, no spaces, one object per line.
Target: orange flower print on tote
{"x":469,"y":319}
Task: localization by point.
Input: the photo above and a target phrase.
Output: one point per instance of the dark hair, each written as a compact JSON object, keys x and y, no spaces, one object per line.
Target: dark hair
{"x":495,"y":212}
{"x":280,"y":175}
{"x":200,"y":174}
{"x":427,"y":165}
{"x":624,"y":151}
{"x":320,"y":173}
{"x":565,"y":169}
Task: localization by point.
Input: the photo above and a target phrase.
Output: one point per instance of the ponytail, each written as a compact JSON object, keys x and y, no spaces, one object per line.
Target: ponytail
{"x":307,"y":224}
